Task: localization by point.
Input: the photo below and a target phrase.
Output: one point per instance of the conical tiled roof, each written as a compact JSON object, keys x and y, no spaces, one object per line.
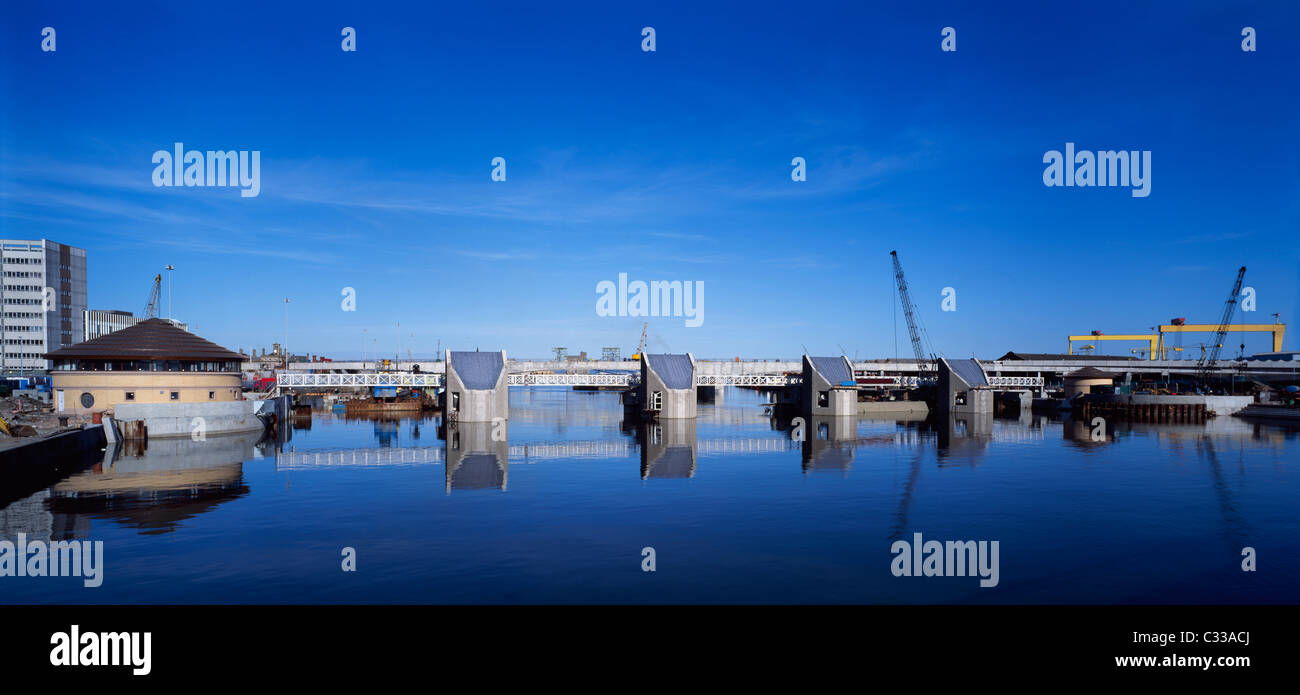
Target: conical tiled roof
{"x":1089,"y":373}
{"x":151,"y":339}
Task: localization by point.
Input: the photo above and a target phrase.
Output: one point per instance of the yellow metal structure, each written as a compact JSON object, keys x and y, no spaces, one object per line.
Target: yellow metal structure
{"x":640,"y":347}
{"x":1277,"y":329}
{"x":1151,"y":340}
{"x":1156,"y":341}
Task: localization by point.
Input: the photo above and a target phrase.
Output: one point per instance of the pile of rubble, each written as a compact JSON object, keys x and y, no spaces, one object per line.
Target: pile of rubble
{"x":28,"y":417}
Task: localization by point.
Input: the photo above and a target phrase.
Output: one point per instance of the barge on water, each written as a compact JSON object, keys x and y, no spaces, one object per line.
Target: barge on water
{"x":389,"y":399}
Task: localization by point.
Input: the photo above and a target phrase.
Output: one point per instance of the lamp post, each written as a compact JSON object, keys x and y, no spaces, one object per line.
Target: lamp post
{"x":169,"y":268}
{"x":285,"y":349}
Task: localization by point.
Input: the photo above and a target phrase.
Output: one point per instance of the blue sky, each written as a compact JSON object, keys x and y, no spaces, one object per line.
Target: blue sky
{"x":671,"y":165}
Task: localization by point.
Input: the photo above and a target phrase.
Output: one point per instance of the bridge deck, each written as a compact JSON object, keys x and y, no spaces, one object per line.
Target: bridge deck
{"x":780,"y":367}
{"x":296,"y":380}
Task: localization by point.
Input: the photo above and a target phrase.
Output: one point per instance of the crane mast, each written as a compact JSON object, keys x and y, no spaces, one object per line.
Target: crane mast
{"x":909,"y":311}
{"x":151,"y":307}
{"x":640,"y":347}
{"x":1211,"y":356}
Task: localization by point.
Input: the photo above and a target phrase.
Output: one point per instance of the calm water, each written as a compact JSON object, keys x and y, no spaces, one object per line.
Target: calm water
{"x":735,"y":510}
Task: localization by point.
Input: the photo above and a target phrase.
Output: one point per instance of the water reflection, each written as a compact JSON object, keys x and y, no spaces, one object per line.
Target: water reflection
{"x":901,"y":524}
{"x":364,"y":479}
{"x":1082,"y":434}
{"x":964,"y":437}
{"x":1235,"y":529}
{"x":386,"y":432}
{"x":829,"y":443}
{"x":390,"y":430}
{"x":156,"y":488}
{"x":668,"y":448}
{"x":477,"y":455}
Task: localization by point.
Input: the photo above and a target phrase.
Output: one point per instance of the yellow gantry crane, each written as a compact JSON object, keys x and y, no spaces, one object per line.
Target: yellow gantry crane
{"x":1152,"y":341}
{"x":1277,"y":329}
{"x":1158,"y":350}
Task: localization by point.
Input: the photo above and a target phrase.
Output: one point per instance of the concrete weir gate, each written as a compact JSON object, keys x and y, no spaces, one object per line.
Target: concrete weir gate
{"x":965,"y":388}
{"x":476,"y":386}
{"x":828,"y":387}
{"x":667,"y":386}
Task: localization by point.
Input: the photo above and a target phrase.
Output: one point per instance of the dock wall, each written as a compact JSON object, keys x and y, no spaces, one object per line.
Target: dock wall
{"x":1151,"y":408}
{"x":42,"y":461}
{"x":893,"y":408}
{"x":181,"y":419}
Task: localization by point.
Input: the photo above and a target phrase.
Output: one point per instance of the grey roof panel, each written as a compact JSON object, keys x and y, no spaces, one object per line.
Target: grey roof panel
{"x":833,"y":369}
{"x":676,"y":370}
{"x":478,"y":370}
{"x":970,"y":371}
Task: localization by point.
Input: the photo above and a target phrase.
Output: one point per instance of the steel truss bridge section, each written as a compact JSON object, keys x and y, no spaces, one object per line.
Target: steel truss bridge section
{"x":572,"y":379}
{"x":746,"y":380}
{"x":1021,"y":381}
{"x":419,"y":380}
{"x":407,"y":379}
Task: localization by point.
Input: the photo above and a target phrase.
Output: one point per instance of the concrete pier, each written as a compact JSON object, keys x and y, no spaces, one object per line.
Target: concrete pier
{"x":828,"y":387}
{"x":963,"y":388}
{"x":187,"y":419}
{"x":476,"y":387}
{"x":667,"y":390}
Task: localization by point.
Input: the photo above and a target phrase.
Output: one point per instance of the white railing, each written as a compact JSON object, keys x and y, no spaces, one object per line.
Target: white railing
{"x":411,"y":380}
{"x":359,"y":457}
{"x":1026,"y":381}
{"x":417,"y":380}
{"x":519,"y":453}
{"x":898,"y":381}
{"x":746,"y":380}
{"x":571,"y":379}
{"x":408,"y":379}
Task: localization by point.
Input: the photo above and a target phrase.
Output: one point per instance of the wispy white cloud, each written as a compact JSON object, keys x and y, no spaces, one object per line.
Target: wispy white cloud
{"x":1211,"y":237}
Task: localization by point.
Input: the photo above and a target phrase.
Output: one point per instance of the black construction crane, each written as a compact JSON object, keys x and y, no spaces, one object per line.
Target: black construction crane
{"x":151,"y":307}
{"x":923,"y":363}
{"x":1211,"y":356}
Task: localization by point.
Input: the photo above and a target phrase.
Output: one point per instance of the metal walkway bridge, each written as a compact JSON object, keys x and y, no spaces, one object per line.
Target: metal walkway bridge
{"x":1009,"y":367}
{"x":299,"y":380}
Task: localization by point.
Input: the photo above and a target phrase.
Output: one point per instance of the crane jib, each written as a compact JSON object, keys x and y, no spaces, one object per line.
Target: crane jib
{"x":909,"y":313}
{"x":1211,"y":356}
